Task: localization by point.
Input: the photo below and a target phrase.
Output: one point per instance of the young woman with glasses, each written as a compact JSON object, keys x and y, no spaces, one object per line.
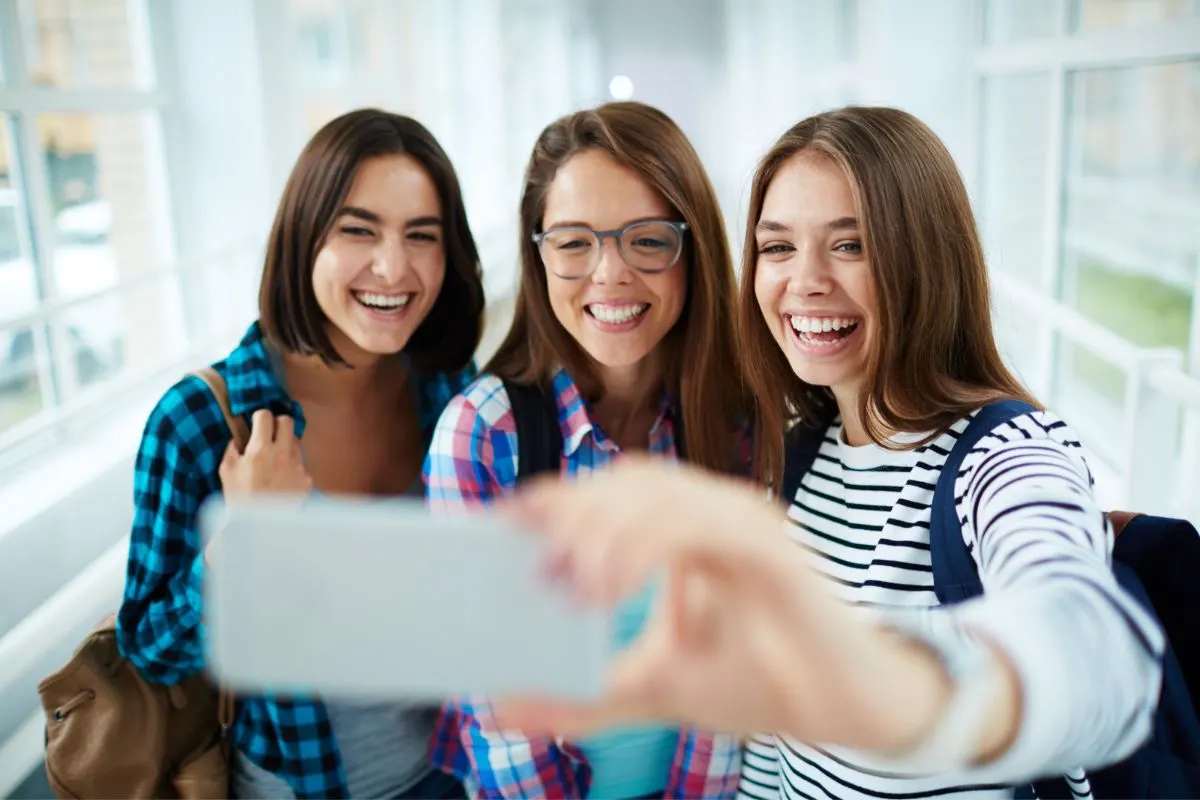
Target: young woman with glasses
{"x":624,"y":323}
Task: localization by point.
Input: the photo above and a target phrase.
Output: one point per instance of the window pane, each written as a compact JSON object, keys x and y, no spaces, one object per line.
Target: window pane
{"x":130,"y":330}
{"x":1090,"y":392}
{"x":1090,"y":15}
{"x":20,"y":389}
{"x":109,"y":201}
{"x":1013,"y":20}
{"x":1016,"y":154}
{"x":1131,"y":237}
{"x":87,"y":43}
{"x":18,"y":276}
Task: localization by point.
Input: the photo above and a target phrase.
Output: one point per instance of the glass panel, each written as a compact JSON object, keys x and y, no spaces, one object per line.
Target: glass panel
{"x":1089,"y":15}
{"x":1016,"y":155}
{"x":109,"y":201}
{"x":1131,"y":235}
{"x":87,"y":43}
{"x":20,"y":388}
{"x":1090,"y":392}
{"x":18,"y":275}
{"x":1013,"y":20}
{"x":131,"y":330}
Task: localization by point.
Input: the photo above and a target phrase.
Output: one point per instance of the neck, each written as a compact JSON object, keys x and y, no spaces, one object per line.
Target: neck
{"x":853,"y":428}
{"x":632,"y":397}
{"x":313,"y":381}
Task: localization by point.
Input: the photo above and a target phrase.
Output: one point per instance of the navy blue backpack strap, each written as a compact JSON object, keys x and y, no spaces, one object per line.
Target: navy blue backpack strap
{"x":955,"y":577}
{"x":801,"y":446}
{"x":539,"y":437}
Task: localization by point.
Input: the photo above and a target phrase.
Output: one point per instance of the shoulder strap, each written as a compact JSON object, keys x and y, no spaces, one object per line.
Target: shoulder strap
{"x":802,"y":444}
{"x":680,"y":437}
{"x":955,"y":577}
{"x":539,"y":437}
{"x":226,"y":701}
{"x":216,"y":384}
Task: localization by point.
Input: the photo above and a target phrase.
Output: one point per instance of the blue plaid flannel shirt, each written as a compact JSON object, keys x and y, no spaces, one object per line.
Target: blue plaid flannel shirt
{"x":159,"y":625}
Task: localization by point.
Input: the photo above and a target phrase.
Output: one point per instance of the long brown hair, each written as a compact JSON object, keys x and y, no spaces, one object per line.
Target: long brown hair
{"x":933,"y":358}
{"x":703,"y":371}
{"x":446,"y":339}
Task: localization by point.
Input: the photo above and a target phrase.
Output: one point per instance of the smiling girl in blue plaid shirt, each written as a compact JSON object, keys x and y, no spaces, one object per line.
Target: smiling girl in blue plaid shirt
{"x":633,"y":340}
{"x":370,"y":312}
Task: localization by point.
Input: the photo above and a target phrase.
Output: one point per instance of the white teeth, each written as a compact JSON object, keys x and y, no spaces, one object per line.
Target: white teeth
{"x":617,"y":314}
{"x":383,"y":300}
{"x":821,"y":324}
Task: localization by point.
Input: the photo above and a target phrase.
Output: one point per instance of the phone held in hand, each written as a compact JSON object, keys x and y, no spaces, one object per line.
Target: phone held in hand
{"x":381,"y":599}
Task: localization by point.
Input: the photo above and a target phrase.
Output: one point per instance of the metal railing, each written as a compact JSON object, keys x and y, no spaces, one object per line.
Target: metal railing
{"x":1159,"y":411}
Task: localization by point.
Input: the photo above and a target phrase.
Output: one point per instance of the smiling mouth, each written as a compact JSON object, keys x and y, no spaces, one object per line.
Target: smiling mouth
{"x":616,"y":314}
{"x":822,"y":331}
{"x":383,"y":303}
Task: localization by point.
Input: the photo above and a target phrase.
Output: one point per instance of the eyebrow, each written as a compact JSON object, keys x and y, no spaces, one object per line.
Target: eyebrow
{"x":371,"y":216}
{"x":573,"y":223}
{"x":839,"y":224}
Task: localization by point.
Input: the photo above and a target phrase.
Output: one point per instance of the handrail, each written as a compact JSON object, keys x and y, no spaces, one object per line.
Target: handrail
{"x":67,"y":610}
{"x":1101,"y":341}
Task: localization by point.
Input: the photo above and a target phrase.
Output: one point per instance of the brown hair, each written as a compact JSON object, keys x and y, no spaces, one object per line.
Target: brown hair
{"x":933,"y":357}
{"x":703,"y":372}
{"x":446,"y":339}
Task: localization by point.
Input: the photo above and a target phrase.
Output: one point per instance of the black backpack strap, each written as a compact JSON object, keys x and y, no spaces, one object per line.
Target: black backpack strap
{"x":680,"y":439}
{"x":539,"y":437}
{"x":800,"y":451}
{"x":955,"y":577}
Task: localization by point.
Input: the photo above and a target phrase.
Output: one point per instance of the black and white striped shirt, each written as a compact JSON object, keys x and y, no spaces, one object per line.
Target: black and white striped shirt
{"x":1087,"y":655}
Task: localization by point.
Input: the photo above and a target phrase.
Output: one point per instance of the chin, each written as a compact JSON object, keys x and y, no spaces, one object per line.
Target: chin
{"x":616,"y":356}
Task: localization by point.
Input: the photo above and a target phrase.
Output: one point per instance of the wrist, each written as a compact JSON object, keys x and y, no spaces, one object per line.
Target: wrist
{"x":963,"y":704}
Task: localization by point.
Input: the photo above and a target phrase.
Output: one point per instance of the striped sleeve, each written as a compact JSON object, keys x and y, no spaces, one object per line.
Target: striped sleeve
{"x":471,"y":462}
{"x":760,"y":770}
{"x":1088,"y":656}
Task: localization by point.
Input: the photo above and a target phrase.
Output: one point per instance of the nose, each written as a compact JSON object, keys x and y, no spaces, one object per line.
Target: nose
{"x":811,"y":275}
{"x":389,"y":260}
{"x":612,"y":267}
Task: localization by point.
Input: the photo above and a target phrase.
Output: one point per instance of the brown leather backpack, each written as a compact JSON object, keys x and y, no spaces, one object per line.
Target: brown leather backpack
{"x":111,"y":733}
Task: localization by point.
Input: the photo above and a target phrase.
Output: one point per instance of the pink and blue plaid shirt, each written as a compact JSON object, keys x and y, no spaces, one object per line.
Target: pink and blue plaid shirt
{"x":472,"y":460}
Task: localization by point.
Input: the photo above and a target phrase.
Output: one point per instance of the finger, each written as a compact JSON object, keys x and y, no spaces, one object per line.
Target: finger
{"x":285,"y":429}
{"x":229,"y":460}
{"x":262,"y":430}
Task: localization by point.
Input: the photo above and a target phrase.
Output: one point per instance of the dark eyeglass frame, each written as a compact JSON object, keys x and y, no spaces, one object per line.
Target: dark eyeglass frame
{"x":616,"y":234}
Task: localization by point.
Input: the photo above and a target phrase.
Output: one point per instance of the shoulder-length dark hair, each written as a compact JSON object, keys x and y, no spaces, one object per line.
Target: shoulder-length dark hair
{"x":446,"y":339}
{"x":703,"y":371}
{"x":933,"y":358}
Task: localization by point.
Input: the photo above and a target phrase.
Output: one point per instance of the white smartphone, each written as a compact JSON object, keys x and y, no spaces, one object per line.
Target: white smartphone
{"x":381,"y":599}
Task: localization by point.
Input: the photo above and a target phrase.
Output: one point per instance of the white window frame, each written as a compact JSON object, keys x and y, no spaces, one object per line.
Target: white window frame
{"x":22,"y":103}
{"x":1157,"y":384}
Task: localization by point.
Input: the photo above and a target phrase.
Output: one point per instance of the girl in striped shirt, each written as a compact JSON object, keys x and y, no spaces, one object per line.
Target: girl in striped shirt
{"x":867,"y":319}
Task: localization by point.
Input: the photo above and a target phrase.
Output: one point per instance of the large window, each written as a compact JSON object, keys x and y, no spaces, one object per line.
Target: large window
{"x":87,"y":293}
{"x":1089,"y":193}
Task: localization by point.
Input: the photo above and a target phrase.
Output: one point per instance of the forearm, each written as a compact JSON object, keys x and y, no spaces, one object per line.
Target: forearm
{"x":161,"y":632}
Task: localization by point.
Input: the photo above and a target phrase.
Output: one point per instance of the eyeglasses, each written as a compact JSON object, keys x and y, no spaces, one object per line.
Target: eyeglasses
{"x":573,"y":252}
